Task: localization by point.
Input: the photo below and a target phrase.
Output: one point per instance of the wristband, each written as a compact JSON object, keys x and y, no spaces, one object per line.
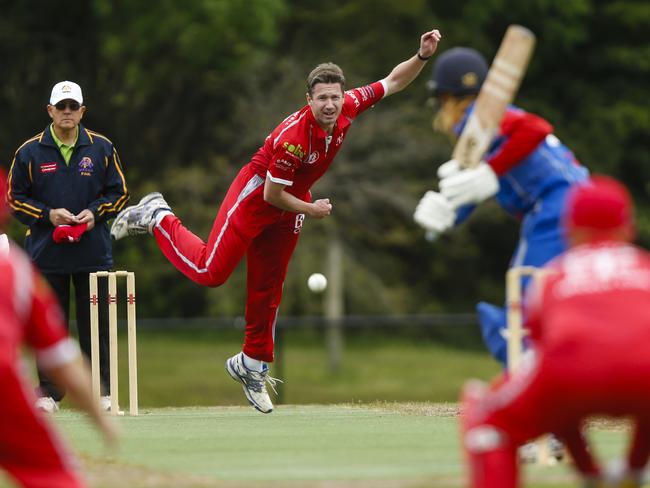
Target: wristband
{"x":422,"y":58}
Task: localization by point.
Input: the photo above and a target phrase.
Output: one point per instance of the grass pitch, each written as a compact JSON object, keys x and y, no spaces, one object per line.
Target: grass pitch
{"x":381,"y":445}
{"x":185,"y":368}
{"x":333,"y":433}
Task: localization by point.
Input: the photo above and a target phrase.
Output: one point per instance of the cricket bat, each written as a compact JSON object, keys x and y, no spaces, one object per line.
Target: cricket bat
{"x":497,"y":92}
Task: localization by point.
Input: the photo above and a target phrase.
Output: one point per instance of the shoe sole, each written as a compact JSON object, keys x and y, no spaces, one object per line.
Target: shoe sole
{"x":235,"y":376}
{"x":146,"y":199}
{"x":48,"y":410}
{"x":119,"y":217}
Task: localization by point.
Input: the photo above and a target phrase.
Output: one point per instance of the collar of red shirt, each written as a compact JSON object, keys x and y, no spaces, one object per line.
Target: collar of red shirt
{"x":341,"y":123}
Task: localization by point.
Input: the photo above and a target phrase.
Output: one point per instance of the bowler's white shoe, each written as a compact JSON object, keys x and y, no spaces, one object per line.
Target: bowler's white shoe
{"x":532,"y":451}
{"x":556,"y":448}
{"x":105,"y":403}
{"x":47,"y":404}
{"x":528,"y":452}
{"x":140,"y":218}
{"x":253,"y":382}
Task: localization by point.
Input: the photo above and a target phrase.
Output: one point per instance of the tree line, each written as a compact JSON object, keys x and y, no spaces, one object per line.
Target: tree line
{"x":187,"y":91}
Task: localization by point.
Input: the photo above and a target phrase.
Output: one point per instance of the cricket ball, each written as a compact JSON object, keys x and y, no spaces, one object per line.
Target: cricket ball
{"x":317,"y":282}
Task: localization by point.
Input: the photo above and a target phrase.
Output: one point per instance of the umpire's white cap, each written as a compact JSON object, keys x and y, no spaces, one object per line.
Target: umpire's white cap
{"x":66,"y":90}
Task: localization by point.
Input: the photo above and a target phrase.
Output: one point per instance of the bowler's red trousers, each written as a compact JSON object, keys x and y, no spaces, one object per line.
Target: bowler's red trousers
{"x":29,"y":450}
{"x":245,"y":224}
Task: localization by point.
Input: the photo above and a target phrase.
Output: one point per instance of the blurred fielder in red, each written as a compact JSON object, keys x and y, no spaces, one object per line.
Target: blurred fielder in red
{"x":30,"y":451}
{"x":589,"y":321}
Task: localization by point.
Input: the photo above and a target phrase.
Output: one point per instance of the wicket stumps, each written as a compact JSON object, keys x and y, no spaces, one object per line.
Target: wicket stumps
{"x":516,"y":333}
{"x":514,"y":315}
{"x":112,"y":334}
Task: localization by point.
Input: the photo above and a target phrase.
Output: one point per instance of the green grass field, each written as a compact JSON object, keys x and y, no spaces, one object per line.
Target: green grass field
{"x":387,"y":419}
{"x":389,"y":445}
{"x":186,"y":368}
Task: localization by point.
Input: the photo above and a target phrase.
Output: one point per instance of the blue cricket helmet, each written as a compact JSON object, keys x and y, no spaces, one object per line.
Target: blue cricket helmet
{"x":459,"y":71}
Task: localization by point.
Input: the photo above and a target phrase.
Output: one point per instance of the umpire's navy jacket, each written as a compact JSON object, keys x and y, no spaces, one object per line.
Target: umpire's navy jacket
{"x":40,"y":180}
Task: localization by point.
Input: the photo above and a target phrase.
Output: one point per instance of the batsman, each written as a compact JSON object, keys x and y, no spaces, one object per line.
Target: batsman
{"x":526,"y":168}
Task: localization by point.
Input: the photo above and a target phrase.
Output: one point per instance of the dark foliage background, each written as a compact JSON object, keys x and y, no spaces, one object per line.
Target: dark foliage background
{"x":188,"y":91}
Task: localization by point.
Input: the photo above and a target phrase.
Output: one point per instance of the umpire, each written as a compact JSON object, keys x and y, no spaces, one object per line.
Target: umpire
{"x":64,"y":183}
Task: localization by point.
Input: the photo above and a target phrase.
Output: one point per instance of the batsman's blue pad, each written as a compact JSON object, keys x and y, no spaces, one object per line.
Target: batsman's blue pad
{"x":542,"y":235}
{"x":492,"y":320}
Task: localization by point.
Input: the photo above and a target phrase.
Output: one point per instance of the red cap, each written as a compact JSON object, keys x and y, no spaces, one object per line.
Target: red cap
{"x":601,"y":205}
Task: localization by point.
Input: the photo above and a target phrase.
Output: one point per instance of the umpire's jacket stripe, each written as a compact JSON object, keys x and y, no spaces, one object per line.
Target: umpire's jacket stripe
{"x":40,"y":180}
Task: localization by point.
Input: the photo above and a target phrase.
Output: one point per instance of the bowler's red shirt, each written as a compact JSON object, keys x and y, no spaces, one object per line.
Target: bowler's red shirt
{"x":298,"y":152}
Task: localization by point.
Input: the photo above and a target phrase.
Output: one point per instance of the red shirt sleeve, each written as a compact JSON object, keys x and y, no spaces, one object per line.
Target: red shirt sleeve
{"x":524,"y":132}
{"x":44,"y":327}
{"x":285,"y":161}
{"x":360,"y":99}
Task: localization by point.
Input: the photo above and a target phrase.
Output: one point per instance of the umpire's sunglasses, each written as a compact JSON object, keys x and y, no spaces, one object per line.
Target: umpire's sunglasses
{"x":72,"y":105}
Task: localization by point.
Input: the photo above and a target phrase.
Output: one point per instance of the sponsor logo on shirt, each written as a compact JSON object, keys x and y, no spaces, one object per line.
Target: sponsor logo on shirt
{"x":86,"y":166}
{"x":300,"y":219}
{"x":366,"y":92}
{"x":313,"y":157}
{"x":290,"y":118}
{"x":357,"y":103}
{"x":50,"y":167}
{"x":364,"y":97}
{"x":283,"y":164}
{"x":297,"y":151}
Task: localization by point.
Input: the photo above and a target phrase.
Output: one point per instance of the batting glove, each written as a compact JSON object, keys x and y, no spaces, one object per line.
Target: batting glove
{"x":434,"y":213}
{"x":449,"y":168}
{"x":470,"y":186}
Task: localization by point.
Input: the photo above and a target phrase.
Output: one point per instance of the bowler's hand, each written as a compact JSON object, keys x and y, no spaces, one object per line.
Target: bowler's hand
{"x":62,"y":216}
{"x":429,"y":43}
{"x":86,"y":217}
{"x":320,"y":208}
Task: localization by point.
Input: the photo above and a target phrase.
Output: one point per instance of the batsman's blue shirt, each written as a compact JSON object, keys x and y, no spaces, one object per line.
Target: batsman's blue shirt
{"x":533,"y":190}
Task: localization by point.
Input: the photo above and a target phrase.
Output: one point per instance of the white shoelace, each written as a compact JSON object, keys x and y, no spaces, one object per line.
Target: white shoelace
{"x":273,"y":381}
